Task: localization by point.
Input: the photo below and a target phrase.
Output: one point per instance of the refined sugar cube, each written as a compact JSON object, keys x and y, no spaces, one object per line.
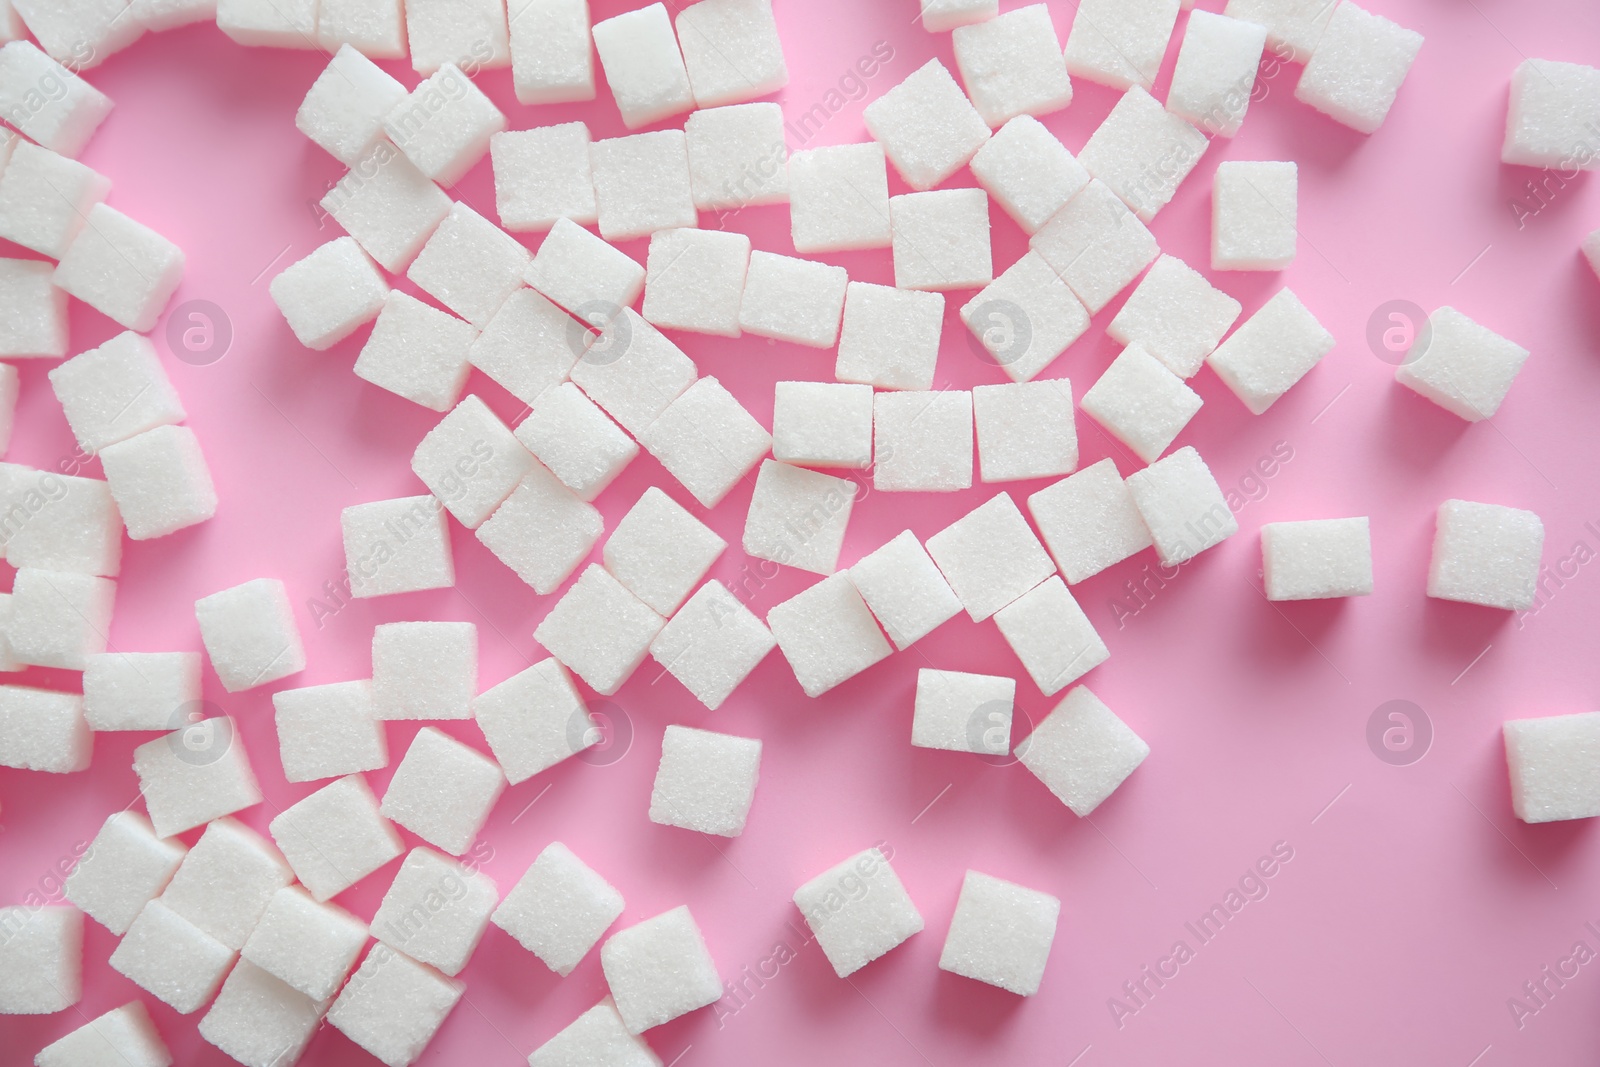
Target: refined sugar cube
{"x":711,"y":645}
{"x":644,"y":68}
{"x":858,"y":911}
{"x":269,"y":23}
{"x":60,"y":523}
{"x":346,"y":107}
{"x":659,"y":552}
{"x":731,"y":50}
{"x":330,"y":294}
{"x":121,"y":268}
{"x":45,"y":198}
{"x":1356,"y":70}
{"x":889,"y":337}
{"x":259,"y":1020}
{"x":839,"y":198}
{"x":1551,"y":119}
{"x":397,"y":546}
{"x":1254,"y":208}
{"x":596,"y":1036}
{"x":250,"y":634}
{"x":388,"y":205}
{"x":1553,"y":763}
{"x":326,"y":731}
{"x":224,"y":883}
{"x":1120,"y":43}
{"x":444,"y":125}
{"x":827,"y":634}
{"x":642,"y":184}
{"x":1089,"y":521}
{"x":443,"y":790}
{"x":59,"y":619}
{"x":417,"y":352}
{"x":798,"y":517}
{"x":904,"y":590}
{"x":47,"y":102}
{"x":1096,"y":244}
{"x":1316,"y":559}
{"x":1025,"y":430}
{"x":1216,"y":72}
{"x":172,"y":959}
{"x":310,"y":946}
{"x":1012,"y":65}
{"x":941,"y":240}
{"x":1143,"y":152}
{"x":922,"y":442}
{"x":737,"y":156}
{"x":335,"y":837}
{"x":990,"y":556}
{"x":1274,"y":349}
{"x":941,"y":15}
{"x":1082,"y":751}
{"x":436,"y":910}
{"x":793,"y":300}
{"x":471,"y":461}
{"x":393,"y":1005}
{"x":1176,"y":316}
{"x":963,"y":712}
{"x":469,"y":33}
{"x":599,"y":630}
{"x":528,"y":346}
{"x":659,"y":969}
{"x":570,"y":435}
{"x":822,"y":424}
{"x":470,"y":265}
{"x":633,"y":372}
{"x":1026,"y":317}
{"x":534,"y":720}
{"x":1465,"y":368}
{"x":1028,"y":171}
{"x":126,"y":867}
{"x":43,"y":730}
{"x":122,"y":1037}
{"x":558,"y":909}
{"x":1000,"y":934}
{"x":583,"y":274}
{"x":927,"y":126}
{"x":1486,"y":554}
{"x":424,"y":670}
{"x":139,"y":690}
{"x":706,"y":781}
{"x":80,"y":33}
{"x":33,"y":312}
{"x":552,"y":58}
{"x":1051,"y":635}
{"x":707,"y":440}
{"x":695,"y":280}
{"x":41,"y":960}
{"x":1294,"y":27}
{"x":160,"y":481}
{"x":375,"y":27}
{"x":1142,"y":403}
{"x":1182,"y":505}
{"x":194,"y":775}
{"x":543,"y":174}
{"x":113,"y":392}
{"x":542,"y":531}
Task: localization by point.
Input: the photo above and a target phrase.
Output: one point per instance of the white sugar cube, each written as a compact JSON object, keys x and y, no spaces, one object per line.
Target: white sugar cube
{"x":583,"y":274}
{"x":1553,"y":763}
{"x":941,"y":240}
{"x":470,"y":265}
{"x":126,"y":867}
{"x":443,"y":790}
{"x":1089,"y":521}
{"x":1486,"y":554}
{"x":435,"y":910}
{"x":41,"y":959}
{"x":327,"y":731}
{"x":543,"y":174}
{"x":927,"y":126}
{"x":1143,"y":152}
{"x":599,"y":630}
{"x":922,"y":442}
{"x":644,"y":67}
{"x":269,"y":23}
{"x":571,"y":436}
{"x":731,"y":50}
{"x":839,"y":198}
{"x":963,"y":712}
{"x":1051,"y":635}
{"x":444,"y":125}
{"x":1552,"y":116}
{"x":113,"y":392}
{"x":393,"y":1005}
{"x":642,"y":185}
{"x":889,"y":337}
{"x":798,"y":517}
{"x":59,"y":522}
{"x":1216,"y":72}
{"x":1142,"y":403}
{"x":1025,"y":430}
{"x":822,"y":424}
{"x":707,"y":440}
{"x":1357,"y":68}
{"x":80,"y":33}
{"x":259,"y":1020}
{"x":542,"y":531}
{"x":160,"y":481}
{"x":558,"y":909}
{"x":659,"y":969}
{"x":330,"y":294}
{"x":1271,"y":351}
{"x":695,"y":280}
{"x":346,"y":107}
{"x":1028,"y":172}
{"x":1316,"y":559}
{"x":706,"y":781}
{"x":827,"y":634}
{"x":1096,"y":244}
{"x":1012,"y":65}
{"x":858,"y":910}
{"x":43,"y":730}
{"x":121,"y":268}
{"x":552,"y":58}
{"x":471,"y":461}
{"x":122,"y":1037}
{"x":528,"y":345}
{"x":424,"y":670}
{"x":1000,"y":934}
{"x":1254,"y":212}
{"x":139,"y":690}
{"x":712,"y":644}
{"x":335,"y":837}
{"x":633,"y":372}
{"x":196,"y":774}
{"x":1082,"y":752}
{"x":1293,"y":26}
{"x":1465,"y":368}
{"x":250,"y":634}
{"x":794,"y":300}
{"x":417,"y":352}
{"x":659,"y":552}
{"x":47,"y":102}
{"x":397,"y":546}
{"x":470,"y":33}
{"x":990,"y":556}
{"x":1182,"y":505}
{"x":172,"y":959}
{"x":45,"y":198}
{"x":310,"y":946}
{"x":59,"y":619}
{"x":737,"y":156}
{"x":1120,"y":43}
{"x":387,"y":204}
{"x":941,"y":15}
{"x":224,"y":883}
{"x":904,"y":590}
{"x":1025,"y":318}
{"x":533,"y":720}
{"x":596,"y":1036}
{"x":33,"y":312}
{"x":1176,"y":316}
{"x":376,"y":28}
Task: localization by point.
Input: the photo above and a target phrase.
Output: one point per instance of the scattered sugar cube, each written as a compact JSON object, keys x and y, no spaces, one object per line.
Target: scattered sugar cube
{"x":1089,"y":521}
{"x":990,"y":556}
{"x":417,"y":352}
{"x":1012,"y":65}
{"x":250,"y":634}
{"x":327,"y":731}
{"x":470,"y":265}
{"x":1120,"y":43}
{"x":160,"y":481}
{"x":424,"y":670}
{"x":798,"y":517}
{"x":1486,"y":554}
{"x":258,"y":1019}
{"x":1026,"y":317}
{"x":468,"y":33}
{"x":963,"y":712}
{"x":644,"y":67}
{"x":436,"y":910}
{"x":1000,"y":934}
{"x":889,"y":337}
{"x":330,"y":294}
{"x":33,"y":312}
{"x":172,"y":959}
{"x":941,"y":240}
{"x":737,"y":156}
{"x":1552,"y":763}
{"x":714,"y":32}
{"x":310,"y":946}
{"x":706,"y":781}
{"x":388,"y":205}
{"x":393,"y":1005}
{"x":43,"y":730}
{"x":397,"y":546}
{"x":543,"y":174}
{"x":827,"y":634}
{"x":858,"y":911}
{"x":1274,"y":349}
{"x":1025,"y":430}
{"x":1317,"y":559}
{"x":377,"y":28}
{"x":1143,"y":152}
{"x":941,"y":15}
{"x":586,"y":276}
{"x":122,"y":1037}
{"x":659,"y":969}
{"x":542,"y":531}
{"x":904,"y":590}
{"x":45,"y":198}
{"x":534,"y":720}
{"x":707,"y":440}
{"x":793,"y":300}
{"x":528,"y":346}
{"x":571,"y":436}
{"x":1082,"y":751}
{"x":1254,"y":208}
{"x":660,"y":552}
{"x":1356,"y":70}
{"x":59,"y":619}
{"x":1465,"y":368}
{"x":642,"y":184}
{"x":596,"y":1036}
{"x":471,"y":461}
{"x":1175,"y":315}
{"x":61,"y":523}
{"x":711,"y":645}
{"x":335,"y":837}
{"x":633,"y":372}
{"x":269,"y":23}
{"x":1051,"y":635}
{"x":1142,"y":403}
{"x":1028,"y":172}
{"x":558,"y":909}
{"x":1293,"y":26}
{"x":113,"y":392}
{"x":80,"y":33}
{"x":224,"y":883}
{"x":822,"y":424}
{"x":927,"y":126}
{"x":41,"y":960}
{"x":922,"y":441}
{"x":139,"y":690}
{"x":126,"y":867}
{"x":195,"y":774}
{"x":47,"y":102}
{"x":552,"y":58}
{"x":695,"y":280}
{"x":1182,"y":505}
{"x":121,"y":268}
{"x":599,"y":630}
{"x":839,"y":198}
{"x":1216,"y":72}
{"x":1096,"y":244}
{"x":345,"y":110}
{"x":444,"y":125}
{"x":1551,"y":119}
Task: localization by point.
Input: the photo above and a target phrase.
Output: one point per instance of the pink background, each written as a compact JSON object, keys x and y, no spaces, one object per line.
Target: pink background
{"x":1415,"y":903}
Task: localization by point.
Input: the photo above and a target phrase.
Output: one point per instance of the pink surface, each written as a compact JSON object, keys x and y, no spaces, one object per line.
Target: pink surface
{"x":1415,"y":904}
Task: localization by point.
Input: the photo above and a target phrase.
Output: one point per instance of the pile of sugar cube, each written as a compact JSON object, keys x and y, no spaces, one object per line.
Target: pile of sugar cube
{"x":241,"y":928}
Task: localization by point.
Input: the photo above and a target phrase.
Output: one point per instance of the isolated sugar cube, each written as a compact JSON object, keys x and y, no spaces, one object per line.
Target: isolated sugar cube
{"x":1182,"y":505}
{"x":172,"y":959}
{"x":707,"y":440}
{"x":470,"y":265}
{"x":552,"y":57}
{"x":578,"y":442}
{"x":123,"y":1036}
{"x":308,"y":945}
{"x":393,"y":1005}
{"x":1025,"y":430}
{"x":659,"y":969}
{"x":963,"y":712}
{"x":643,"y":65}
{"x":858,"y":910}
{"x":1465,"y":368}
{"x":335,"y":837}
{"x":345,"y":109}
{"x":1255,"y":206}
{"x":1294,"y":27}
{"x":269,"y":23}
{"x":444,"y":125}
{"x":904,"y":590}
{"x":1120,"y":43}
{"x":258,"y":1019}
{"x":417,"y":352}
{"x":889,"y":337}
{"x":33,"y":312}
{"x":1356,"y":70}
{"x":596,"y":1036}
{"x":1082,"y":751}
{"x":139,"y":690}
{"x":160,"y":481}
{"x":326,"y":731}
{"x":1096,"y":244}
{"x":534,"y":720}
{"x":1142,"y":403}
{"x":397,"y":546}
{"x":712,"y":644}
{"x":47,"y":102}
{"x":737,"y":156}
{"x":927,"y":126}
{"x":1175,"y":315}
{"x":1012,"y":65}
{"x":387,"y":204}
{"x":794,"y":300}
{"x":1089,"y":521}
{"x":599,"y":630}
{"x":822,"y":424}
{"x":250,"y":634}
{"x":839,"y":198}
{"x":558,"y":910}
{"x":642,"y":184}
{"x":634,"y":372}
{"x":1551,"y":121}
{"x":43,"y":730}
{"x":45,"y":198}
{"x":528,"y":346}
{"x":226,"y":880}
{"x":1028,"y":171}
{"x":41,"y":959}
{"x":470,"y":461}
{"x":424,"y":670}
{"x":941,"y":15}
{"x":1025,"y":318}
{"x":542,"y":531}
{"x":121,"y":268}
{"x":1271,"y":351}
{"x":469,"y":33}
{"x":1051,"y":635}
{"x":125,"y":868}
{"x":583,"y":274}
{"x":827,"y":634}
{"x":376,"y":28}
{"x":195,"y":774}
{"x":1553,"y":764}
{"x":941,"y":240}
{"x":731,"y":50}
{"x":922,"y":441}
{"x":60,"y":522}
{"x":59,"y":619}
{"x":706,"y":781}
{"x":113,"y":392}
{"x":1000,"y":934}
{"x":990,"y":556}
{"x":1216,"y":73}
{"x":1486,"y":554}
{"x":543,"y":174}
{"x":435,"y":910}
{"x":443,"y":790}
{"x":695,"y":280}
{"x":1316,"y":559}
{"x":797,"y":517}
{"x":1143,"y":152}
{"x":330,"y":294}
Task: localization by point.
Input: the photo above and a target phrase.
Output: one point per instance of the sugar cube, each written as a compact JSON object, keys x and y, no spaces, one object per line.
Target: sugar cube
{"x":1486,"y":554}
{"x":571,"y":436}
{"x":1216,"y":72}
{"x":1082,"y":751}
{"x":706,"y":781}
{"x":377,"y":28}
{"x":224,"y":883}
{"x":250,"y":634}
{"x":397,"y":546}
{"x":393,"y":1005}
{"x":1465,"y":368}
{"x":1000,"y":934}
{"x":139,"y":690}
{"x":444,"y":125}
{"x":43,"y":730}
{"x":11,"y":27}
{"x":839,"y":198}
{"x":642,"y":184}
{"x":1012,"y":65}
{"x":599,"y":630}
{"x":121,"y":268}
{"x":122,"y":1037}
{"x":424,"y":670}
{"x":737,"y":156}
{"x":172,"y":959}
{"x":471,"y":461}
{"x":1120,"y":43}
{"x":346,"y":107}
{"x":941,"y":15}
{"x":714,"y":32}
{"x":659,"y":969}
{"x":542,"y":531}
{"x":1028,"y":172}
{"x":61,"y":523}
{"x":113,"y":392}
{"x":558,"y":909}
{"x":1553,"y":763}
{"x":33,"y":312}
{"x":1089,"y":521}
{"x":1294,"y":27}
{"x":59,"y":619}
{"x":711,"y":645}
{"x":644,"y":67}
{"x":827,"y":634}
{"x":583,"y":274}
{"x":927,"y":126}
{"x":387,"y":204}
{"x":889,"y":337}
{"x":443,"y":790}
{"x":1274,"y":349}
{"x":707,"y":440}
{"x":269,"y":23}
{"x":922,"y":442}
{"x":436,"y":910}
{"x":195,"y":774}
{"x":1025,"y":318}
{"x":310,"y":946}
{"x":1096,"y":244}
{"x":45,"y":197}
{"x":1175,"y":315}
{"x":330,"y":294}
{"x":470,"y":265}
{"x":335,"y":837}
{"x":1141,"y":402}
{"x":963,"y":712}
{"x":596,"y":1036}
{"x":695,"y":280}
{"x":80,"y":33}
{"x":125,"y":868}
{"x":528,"y":345}
{"x":41,"y":959}
{"x":10,"y":385}
{"x":543,"y":174}
{"x":794,"y":300}
{"x":259,"y":1020}
{"x":46,"y":102}
{"x":990,"y":556}
{"x":1025,"y":430}
{"x":417,"y":352}
{"x":534,"y":720}
{"x":470,"y":33}
{"x":1254,"y":208}
{"x":1143,"y":152}
{"x":552,"y":58}
{"x":1317,"y":559}
{"x":822,"y":424}
{"x":941,"y":240}
{"x":858,"y":910}
{"x":1551,"y":118}
{"x":633,"y":372}
{"x":1357,"y":68}
{"x":659,"y":552}
{"x":1051,"y":635}
{"x":1182,"y":505}
{"x":904,"y":590}
{"x":326,"y":731}
{"x":160,"y":481}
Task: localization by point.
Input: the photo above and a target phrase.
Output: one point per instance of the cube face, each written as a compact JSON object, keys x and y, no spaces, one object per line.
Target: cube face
{"x":1465,"y":368}
{"x":542,"y":531}
{"x":172,"y":959}
{"x":529,"y":346}
{"x":599,"y":631}
{"x":922,"y":442}
{"x":417,"y":352}
{"x":1051,"y":635}
{"x":397,"y":546}
{"x":1357,"y":68}
{"x":533,"y":720}
{"x":644,"y":67}
{"x":41,"y":730}
{"x":328,"y":731}
{"x":856,"y":925}
{"x":59,"y":619}
{"x":1545,"y":123}
{"x":44,"y":198}
{"x":737,"y":156}
{"x":712,"y":31}
{"x":941,"y":240}
{"x":578,"y":442}
{"x":1025,"y":318}
{"x":839,"y":198}
{"x":1142,"y":403}
{"x":1096,"y":244}
{"x":1486,"y":554}
{"x":1089,"y":521}
{"x":387,"y":205}
{"x":633,"y":372}
{"x":963,"y":712}
{"x":822,"y":424}
{"x":471,"y":462}
{"x":226,"y":881}
{"x":552,"y":57}
{"x":42,"y":960}
{"x":345,"y":109}
{"x":904,"y":590}
{"x":794,"y":300}
{"x":393,"y":1005}
{"x":1182,"y":505}
{"x":1176,"y":316}
{"x":123,"y":1035}
{"x":659,"y":969}
{"x":471,"y":33}
{"x":596,"y":1036}
{"x":695,"y":280}
{"x":330,"y":294}
{"x":927,"y":126}
{"x":1012,"y":65}
{"x":543,"y":174}
{"x":438,"y":766}
{"x":250,"y":634}
{"x":1082,"y":752}
{"x":798,"y":517}
{"x":1028,"y":172}
{"x":586,"y":276}
{"x":121,"y":268}
{"x":1274,"y":349}
{"x":257,"y":1018}
{"x":990,"y":556}
{"x":60,"y":523}
{"x":941,"y":15}
{"x":1001,"y":933}
{"x":160,"y":482}
{"x":116,"y":391}
{"x":335,"y":837}
{"x":1294,"y":27}
{"x":1317,"y":559}
{"x":63,"y":123}
{"x":1216,"y":72}
{"x":470,"y":265}
{"x":1255,"y":207}
{"x":34,"y":324}
{"x":711,"y":645}
{"x":377,"y":28}
{"x":1552,"y":764}
{"x":126,"y":867}
{"x":659,"y":552}
{"x":264,"y":24}
{"x":308,"y":945}
{"x":642,"y":184}
{"x":827,"y":634}
{"x":707,"y":440}
{"x":706,"y":781}
{"x":436,"y":910}
{"x":444,"y":125}
{"x":1143,"y":152}
{"x":1120,"y":44}
{"x":1025,"y":430}
{"x":559,"y":909}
